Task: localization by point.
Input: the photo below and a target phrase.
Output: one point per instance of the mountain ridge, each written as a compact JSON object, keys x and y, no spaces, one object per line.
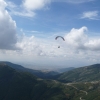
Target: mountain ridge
{"x":40,"y":73}
{"x":83,"y":74}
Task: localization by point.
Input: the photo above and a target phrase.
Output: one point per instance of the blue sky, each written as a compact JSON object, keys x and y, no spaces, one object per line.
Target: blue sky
{"x":29,"y":27}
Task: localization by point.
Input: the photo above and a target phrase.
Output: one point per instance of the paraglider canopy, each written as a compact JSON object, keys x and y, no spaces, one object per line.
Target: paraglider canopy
{"x":59,"y":37}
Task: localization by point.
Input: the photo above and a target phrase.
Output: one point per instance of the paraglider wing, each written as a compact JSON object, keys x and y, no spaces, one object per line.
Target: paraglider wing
{"x":59,"y":37}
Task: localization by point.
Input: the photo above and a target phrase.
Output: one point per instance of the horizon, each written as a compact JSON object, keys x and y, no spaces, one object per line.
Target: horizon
{"x":39,"y":67}
{"x":28,"y":30}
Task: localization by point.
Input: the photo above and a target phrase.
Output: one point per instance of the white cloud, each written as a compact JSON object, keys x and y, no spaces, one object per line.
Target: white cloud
{"x":78,"y":40}
{"x":28,"y":7}
{"x":35,"y":4}
{"x":94,"y":15}
{"x":8,"y":37}
{"x":75,"y":41}
{"x":76,"y":37}
{"x":38,"y":47}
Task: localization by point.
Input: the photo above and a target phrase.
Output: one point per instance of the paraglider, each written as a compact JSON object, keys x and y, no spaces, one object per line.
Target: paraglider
{"x":61,"y":38}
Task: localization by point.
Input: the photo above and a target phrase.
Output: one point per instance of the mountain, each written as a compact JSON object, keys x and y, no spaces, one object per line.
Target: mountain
{"x":15,"y":85}
{"x":39,"y":73}
{"x":82,"y":74}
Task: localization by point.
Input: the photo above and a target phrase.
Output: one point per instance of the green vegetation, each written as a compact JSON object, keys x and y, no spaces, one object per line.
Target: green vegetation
{"x":84,"y":84}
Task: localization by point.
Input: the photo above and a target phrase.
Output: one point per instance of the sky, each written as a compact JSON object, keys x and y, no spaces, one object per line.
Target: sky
{"x":28,"y":29}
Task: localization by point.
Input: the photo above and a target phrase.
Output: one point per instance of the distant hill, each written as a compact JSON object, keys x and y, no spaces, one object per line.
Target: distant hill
{"x":82,"y":74}
{"x":39,"y":73}
{"x":61,"y":70}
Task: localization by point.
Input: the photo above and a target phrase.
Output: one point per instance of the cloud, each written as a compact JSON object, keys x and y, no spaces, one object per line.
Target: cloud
{"x":76,"y":38}
{"x":8,"y":36}
{"x":35,"y":4}
{"x":93,"y":15}
{"x":38,"y":47}
{"x":78,"y":47}
{"x":79,"y":40}
{"x":28,"y":7}
{"x":76,"y":41}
